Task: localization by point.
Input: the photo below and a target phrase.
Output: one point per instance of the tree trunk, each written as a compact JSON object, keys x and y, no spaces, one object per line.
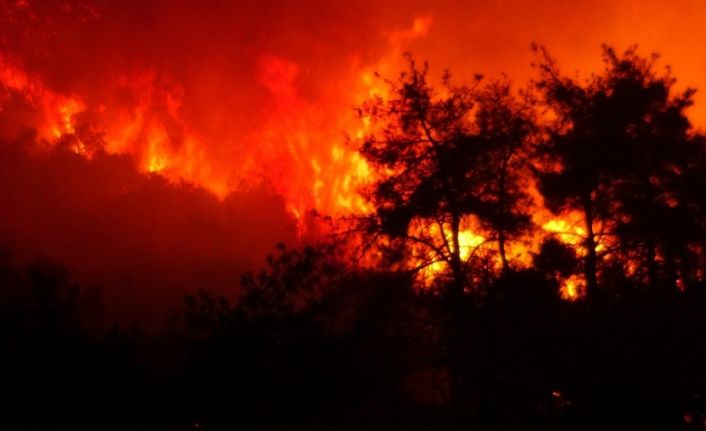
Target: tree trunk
{"x":591,"y":259}
{"x":501,"y":251}
{"x":503,"y":211}
{"x":456,"y":264}
{"x":652,"y":270}
{"x":455,"y":321}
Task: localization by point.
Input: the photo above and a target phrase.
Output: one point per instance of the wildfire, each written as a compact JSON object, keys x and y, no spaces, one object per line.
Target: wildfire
{"x":66,"y":112}
{"x":57,"y":110}
{"x":156,"y":157}
{"x":572,"y":288}
{"x":567,"y":229}
{"x":469,"y":243}
{"x":304,"y":148}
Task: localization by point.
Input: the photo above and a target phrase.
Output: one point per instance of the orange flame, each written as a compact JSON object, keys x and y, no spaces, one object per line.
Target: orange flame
{"x":303,"y":149}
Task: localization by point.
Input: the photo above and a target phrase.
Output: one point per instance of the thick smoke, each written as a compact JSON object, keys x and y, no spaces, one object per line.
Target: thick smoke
{"x":143,"y":241}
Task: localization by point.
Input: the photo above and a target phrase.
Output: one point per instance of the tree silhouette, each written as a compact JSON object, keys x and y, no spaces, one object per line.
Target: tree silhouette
{"x":555,"y":257}
{"x":424,"y":145}
{"x":658,"y":148}
{"x":614,"y":145}
{"x":691,"y":201}
{"x":445,"y":157}
{"x":505,"y":124}
{"x":293,"y":280}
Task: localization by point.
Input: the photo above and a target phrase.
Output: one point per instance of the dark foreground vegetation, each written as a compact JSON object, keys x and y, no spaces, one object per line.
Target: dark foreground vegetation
{"x":341,"y":335}
{"x":368,"y":354}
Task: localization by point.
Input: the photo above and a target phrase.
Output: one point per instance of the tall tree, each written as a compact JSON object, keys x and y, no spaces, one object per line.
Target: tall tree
{"x":687,"y":236}
{"x":505,"y":123}
{"x":425,"y":157}
{"x":658,"y":150}
{"x":615,"y":141}
{"x":443,"y":157}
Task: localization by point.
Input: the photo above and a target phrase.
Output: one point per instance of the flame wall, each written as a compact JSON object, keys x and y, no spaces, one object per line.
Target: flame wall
{"x":241,"y":97}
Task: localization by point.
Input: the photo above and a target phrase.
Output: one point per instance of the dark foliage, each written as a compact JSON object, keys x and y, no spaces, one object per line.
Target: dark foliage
{"x":622,"y":141}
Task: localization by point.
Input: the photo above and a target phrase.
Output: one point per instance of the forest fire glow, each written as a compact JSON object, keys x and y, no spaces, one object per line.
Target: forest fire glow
{"x":330,"y":215}
{"x":302,"y":141}
{"x":329,"y":183}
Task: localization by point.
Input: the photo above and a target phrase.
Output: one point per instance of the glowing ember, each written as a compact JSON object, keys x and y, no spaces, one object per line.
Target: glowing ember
{"x":572,"y":288}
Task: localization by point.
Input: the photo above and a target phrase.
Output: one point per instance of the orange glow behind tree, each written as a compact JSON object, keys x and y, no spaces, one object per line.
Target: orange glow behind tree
{"x":273,"y":101}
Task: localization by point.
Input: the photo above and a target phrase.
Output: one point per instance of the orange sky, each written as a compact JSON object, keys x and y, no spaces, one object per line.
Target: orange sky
{"x":493,"y":38}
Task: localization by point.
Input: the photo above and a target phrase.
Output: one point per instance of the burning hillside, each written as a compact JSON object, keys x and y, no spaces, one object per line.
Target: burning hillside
{"x":250,"y":98}
{"x":330,"y":215}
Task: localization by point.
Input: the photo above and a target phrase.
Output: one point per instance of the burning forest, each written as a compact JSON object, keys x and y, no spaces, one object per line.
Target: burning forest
{"x":244,"y":215}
